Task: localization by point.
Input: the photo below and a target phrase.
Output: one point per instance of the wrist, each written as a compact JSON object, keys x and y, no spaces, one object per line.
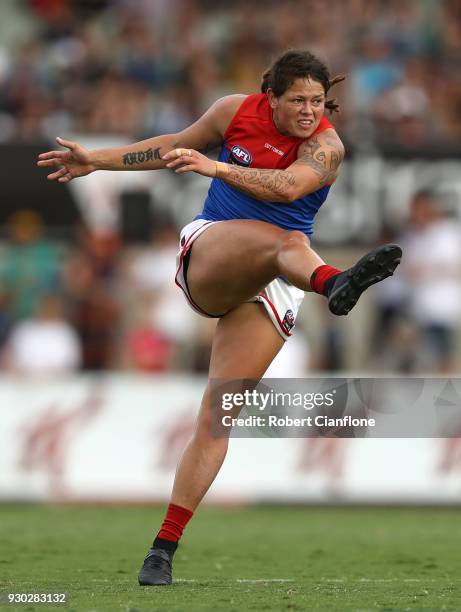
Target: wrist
{"x":95,"y":161}
{"x":221,"y":169}
{"x":103,"y":159}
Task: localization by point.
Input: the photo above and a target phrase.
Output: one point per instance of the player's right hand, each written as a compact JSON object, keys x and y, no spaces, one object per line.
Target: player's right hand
{"x":74,"y":162}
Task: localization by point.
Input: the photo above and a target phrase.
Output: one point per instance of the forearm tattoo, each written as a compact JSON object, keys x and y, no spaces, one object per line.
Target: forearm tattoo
{"x":272,"y":185}
{"x":324,"y":158}
{"x":140,"y":157}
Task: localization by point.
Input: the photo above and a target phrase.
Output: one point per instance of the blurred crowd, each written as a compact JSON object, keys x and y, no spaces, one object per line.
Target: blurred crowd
{"x":96,"y":304}
{"x":133,"y":69}
{"x":150,"y":66}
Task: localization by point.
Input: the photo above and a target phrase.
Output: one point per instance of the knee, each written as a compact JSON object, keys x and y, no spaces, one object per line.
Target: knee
{"x":293,"y":240}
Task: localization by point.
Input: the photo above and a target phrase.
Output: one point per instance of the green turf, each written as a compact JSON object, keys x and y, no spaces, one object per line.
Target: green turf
{"x":328,"y":559}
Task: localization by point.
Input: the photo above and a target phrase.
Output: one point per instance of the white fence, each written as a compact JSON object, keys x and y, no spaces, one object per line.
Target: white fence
{"x":118,"y":438}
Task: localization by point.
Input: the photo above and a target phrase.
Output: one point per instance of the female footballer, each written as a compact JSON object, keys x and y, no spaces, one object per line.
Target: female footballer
{"x":246,"y":259}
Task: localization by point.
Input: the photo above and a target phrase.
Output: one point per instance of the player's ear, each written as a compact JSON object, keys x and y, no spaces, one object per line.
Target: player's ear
{"x":273,"y":101}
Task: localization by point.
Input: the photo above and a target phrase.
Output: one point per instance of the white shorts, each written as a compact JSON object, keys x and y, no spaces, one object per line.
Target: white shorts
{"x":280,"y":299}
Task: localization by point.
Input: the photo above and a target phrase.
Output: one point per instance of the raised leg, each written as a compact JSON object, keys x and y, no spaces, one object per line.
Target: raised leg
{"x":234,"y":260}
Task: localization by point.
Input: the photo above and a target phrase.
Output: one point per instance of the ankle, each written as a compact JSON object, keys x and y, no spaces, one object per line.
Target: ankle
{"x":175,"y":521}
{"x":168,"y":545}
{"x":322,"y":279}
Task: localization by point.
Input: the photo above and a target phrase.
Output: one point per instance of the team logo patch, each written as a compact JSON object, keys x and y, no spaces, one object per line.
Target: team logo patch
{"x":240,"y":156}
{"x":288,"y":320}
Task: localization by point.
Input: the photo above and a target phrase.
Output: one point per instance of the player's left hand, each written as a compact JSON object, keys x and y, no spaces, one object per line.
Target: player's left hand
{"x":190,"y":160}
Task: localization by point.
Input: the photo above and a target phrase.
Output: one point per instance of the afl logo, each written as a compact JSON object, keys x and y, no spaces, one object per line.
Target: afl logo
{"x":240,"y":156}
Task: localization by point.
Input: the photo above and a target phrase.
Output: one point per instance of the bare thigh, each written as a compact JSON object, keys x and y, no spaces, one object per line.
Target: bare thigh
{"x":231,"y":262}
{"x":245,"y":344}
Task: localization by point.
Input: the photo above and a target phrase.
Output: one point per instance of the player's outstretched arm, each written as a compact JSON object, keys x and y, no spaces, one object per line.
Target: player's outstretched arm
{"x":317,"y":165}
{"x":75,"y":160}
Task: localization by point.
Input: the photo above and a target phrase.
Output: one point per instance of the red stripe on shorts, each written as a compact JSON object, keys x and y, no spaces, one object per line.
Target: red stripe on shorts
{"x":181,"y":258}
{"x":276,"y":314}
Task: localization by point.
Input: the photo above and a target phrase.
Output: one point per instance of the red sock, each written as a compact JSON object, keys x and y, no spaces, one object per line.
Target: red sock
{"x":320,"y":276}
{"x":175,"y":521}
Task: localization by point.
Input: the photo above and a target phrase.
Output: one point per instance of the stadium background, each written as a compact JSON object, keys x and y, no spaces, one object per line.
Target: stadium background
{"x":101,"y":361}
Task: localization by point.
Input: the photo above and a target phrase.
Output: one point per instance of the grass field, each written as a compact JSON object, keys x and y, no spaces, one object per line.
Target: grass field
{"x":236,"y":559}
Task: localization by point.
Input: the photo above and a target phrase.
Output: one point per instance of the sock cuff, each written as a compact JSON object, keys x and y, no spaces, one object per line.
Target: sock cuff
{"x":180,"y":509}
{"x":174,"y":523}
{"x":320,"y":276}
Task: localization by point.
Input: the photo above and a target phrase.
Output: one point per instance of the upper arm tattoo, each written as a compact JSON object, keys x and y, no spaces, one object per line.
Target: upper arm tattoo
{"x":323,"y":157}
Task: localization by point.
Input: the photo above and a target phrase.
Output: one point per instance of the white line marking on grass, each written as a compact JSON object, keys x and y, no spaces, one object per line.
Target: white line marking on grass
{"x":324,"y":579}
{"x":246,"y":580}
{"x":381,"y":580}
{"x":402,"y":579}
{"x":265,"y":580}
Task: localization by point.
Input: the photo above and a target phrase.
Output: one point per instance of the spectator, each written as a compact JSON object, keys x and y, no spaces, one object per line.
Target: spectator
{"x":146,"y":348}
{"x":375,"y":71}
{"x":403,"y":112}
{"x":426,"y":300}
{"x":91,"y":284}
{"x":30,"y":266}
{"x":45,"y":344}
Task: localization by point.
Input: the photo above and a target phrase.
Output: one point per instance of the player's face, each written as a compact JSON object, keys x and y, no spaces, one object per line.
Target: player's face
{"x":298,"y":111}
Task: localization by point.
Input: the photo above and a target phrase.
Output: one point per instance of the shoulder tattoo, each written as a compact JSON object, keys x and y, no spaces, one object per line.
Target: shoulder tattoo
{"x":323,"y":157}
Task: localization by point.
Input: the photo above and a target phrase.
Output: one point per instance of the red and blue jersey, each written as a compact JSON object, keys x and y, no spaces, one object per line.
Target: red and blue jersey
{"x":253,"y":141}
